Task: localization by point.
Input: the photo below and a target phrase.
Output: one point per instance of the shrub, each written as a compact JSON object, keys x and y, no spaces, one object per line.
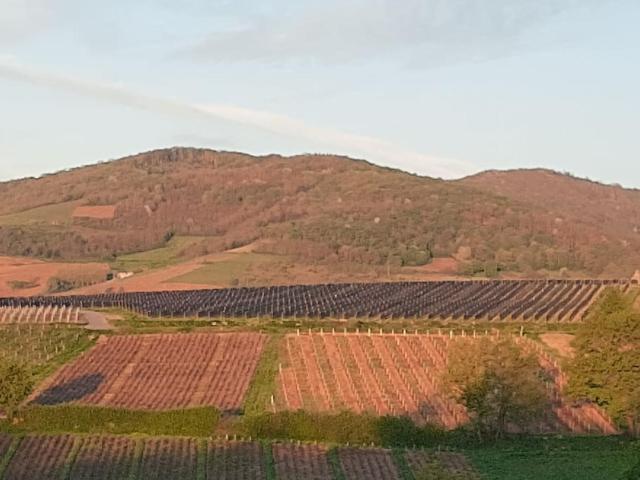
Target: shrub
{"x":342,"y":428}
{"x":195,"y":422}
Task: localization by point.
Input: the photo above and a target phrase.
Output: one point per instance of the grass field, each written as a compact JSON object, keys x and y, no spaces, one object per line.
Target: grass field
{"x":233,"y":269}
{"x":557,"y":459}
{"x":43,"y":347}
{"x":157,"y":258}
{"x":57,"y":214}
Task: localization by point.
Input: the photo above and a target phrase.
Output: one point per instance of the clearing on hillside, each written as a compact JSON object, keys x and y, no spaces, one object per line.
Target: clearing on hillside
{"x":100,"y":212}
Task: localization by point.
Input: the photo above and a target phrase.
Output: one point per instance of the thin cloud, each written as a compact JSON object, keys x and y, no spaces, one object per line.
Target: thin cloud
{"x":372,"y":148}
{"x":20,"y":19}
{"x":418,"y":31}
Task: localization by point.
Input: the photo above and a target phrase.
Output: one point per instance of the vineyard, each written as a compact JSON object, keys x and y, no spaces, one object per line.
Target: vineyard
{"x":522,"y":300}
{"x":57,"y":457}
{"x":37,"y":344}
{"x":43,"y":314}
{"x":159,"y":372}
{"x":400,"y":374}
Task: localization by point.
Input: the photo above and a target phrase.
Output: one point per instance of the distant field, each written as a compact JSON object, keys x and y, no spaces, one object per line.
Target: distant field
{"x":158,"y":258}
{"x":26,"y":276}
{"x":234,"y":268}
{"x":57,"y":214}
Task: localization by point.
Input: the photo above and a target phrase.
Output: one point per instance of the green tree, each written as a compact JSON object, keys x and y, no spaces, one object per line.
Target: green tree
{"x":16,"y":383}
{"x":498,"y":382}
{"x":606,"y":366}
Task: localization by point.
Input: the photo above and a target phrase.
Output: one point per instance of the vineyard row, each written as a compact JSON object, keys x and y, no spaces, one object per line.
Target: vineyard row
{"x":159,"y":372}
{"x":51,"y":457}
{"x":402,"y":375}
{"x":548,"y":300}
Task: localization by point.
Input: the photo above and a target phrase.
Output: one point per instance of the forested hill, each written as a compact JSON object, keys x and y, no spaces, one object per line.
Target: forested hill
{"x":323,"y":208}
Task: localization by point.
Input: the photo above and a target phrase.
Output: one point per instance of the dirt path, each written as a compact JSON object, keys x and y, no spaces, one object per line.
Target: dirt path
{"x":560,"y":342}
{"x":97,"y":321}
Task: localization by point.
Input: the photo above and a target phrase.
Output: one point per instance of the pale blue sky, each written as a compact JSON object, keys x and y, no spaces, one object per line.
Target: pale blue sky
{"x":438,"y":87}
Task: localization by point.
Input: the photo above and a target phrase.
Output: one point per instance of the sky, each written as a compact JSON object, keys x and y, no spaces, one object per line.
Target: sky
{"x":444,"y":88}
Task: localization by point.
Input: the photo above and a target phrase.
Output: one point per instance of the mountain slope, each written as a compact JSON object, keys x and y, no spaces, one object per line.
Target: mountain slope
{"x":605,"y":218}
{"x":325,"y":209}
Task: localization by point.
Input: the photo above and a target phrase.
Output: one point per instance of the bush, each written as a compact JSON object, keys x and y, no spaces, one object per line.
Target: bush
{"x":604,"y":369}
{"x":193,"y":422}
{"x":342,"y":428}
{"x":16,"y":382}
{"x":504,"y":385}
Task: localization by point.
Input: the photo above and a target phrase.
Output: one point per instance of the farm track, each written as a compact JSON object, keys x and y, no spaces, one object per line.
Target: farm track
{"x":94,"y":457}
{"x":517,"y":300}
{"x":400,"y":374}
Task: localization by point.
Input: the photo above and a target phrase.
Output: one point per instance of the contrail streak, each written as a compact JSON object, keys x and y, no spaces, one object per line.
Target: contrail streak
{"x":374,"y":149}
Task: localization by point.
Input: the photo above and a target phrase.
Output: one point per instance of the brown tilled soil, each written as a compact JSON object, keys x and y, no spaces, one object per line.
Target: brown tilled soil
{"x":159,"y":372}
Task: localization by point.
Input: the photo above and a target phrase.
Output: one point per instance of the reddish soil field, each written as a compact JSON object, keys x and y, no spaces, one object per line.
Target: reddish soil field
{"x":398,"y":374}
{"x":379,"y":374}
{"x":40,"y":457}
{"x":169,"y":459}
{"x":100,"y":212}
{"x":294,"y":462}
{"x":104,"y":458}
{"x":160,"y":372}
{"x":38,"y":273}
{"x":236,"y":461}
{"x":372,"y":464}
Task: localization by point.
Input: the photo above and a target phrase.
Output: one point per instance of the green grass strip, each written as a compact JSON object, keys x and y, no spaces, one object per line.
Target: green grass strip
{"x":201,"y":472}
{"x":190,"y":422}
{"x":335,"y":464}
{"x":262,"y":387}
{"x":4,"y":463}
{"x":136,"y":461}
{"x":402,"y":465}
{"x":71,"y":458}
{"x":269,"y":461}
